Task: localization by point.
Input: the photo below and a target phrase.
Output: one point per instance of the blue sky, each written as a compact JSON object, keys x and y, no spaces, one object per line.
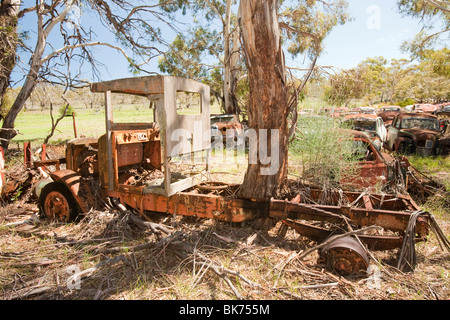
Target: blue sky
{"x":377,"y":29}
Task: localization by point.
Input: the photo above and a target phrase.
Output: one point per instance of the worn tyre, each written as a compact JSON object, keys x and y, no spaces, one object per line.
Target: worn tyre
{"x":57,"y":203}
{"x":405,"y":148}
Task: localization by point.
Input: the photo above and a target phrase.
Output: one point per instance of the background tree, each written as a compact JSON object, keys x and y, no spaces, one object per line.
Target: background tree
{"x":430,"y":13}
{"x":9,"y":14}
{"x":273,"y":97}
{"x":216,"y":50}
{"x":303,"y":26}
{"x":344,"y":86}
{"x":54,"y":22}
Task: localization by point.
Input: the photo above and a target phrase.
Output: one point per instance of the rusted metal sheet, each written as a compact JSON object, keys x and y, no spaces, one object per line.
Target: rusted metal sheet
{"x":78,"y":150}
{"x":373,"y":242}
{"x":390,"y":220}
{"x":128,"y":154}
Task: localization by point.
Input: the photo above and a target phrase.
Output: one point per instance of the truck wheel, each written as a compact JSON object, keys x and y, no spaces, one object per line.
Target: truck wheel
{"x":346,"y":256}
{"x":405,"y":148}
{"x":57,"y":203}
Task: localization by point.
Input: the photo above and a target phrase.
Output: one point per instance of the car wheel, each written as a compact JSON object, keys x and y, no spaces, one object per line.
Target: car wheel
{"x":405,"y":147}
{"x":445,"y":151}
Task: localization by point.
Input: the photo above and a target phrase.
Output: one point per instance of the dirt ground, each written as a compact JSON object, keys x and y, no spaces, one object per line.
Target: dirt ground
{"x":119,"y":255}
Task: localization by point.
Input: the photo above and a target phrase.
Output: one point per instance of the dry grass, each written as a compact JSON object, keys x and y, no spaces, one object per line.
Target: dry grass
{"x":201,"y":260}
{"x":118,"y":256}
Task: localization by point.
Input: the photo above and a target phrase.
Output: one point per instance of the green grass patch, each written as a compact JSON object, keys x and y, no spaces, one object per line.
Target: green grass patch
{"x":35,"y":125}
{"x":434,"y":167}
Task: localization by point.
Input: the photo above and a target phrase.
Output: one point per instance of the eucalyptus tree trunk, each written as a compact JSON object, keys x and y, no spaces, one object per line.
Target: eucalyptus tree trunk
{"x":230,"y":63}
{"x":268,"y":101}
{"x":9,"y":10}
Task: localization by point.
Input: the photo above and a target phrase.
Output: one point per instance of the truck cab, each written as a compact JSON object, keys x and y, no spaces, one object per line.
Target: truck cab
{"x":160,"y":157}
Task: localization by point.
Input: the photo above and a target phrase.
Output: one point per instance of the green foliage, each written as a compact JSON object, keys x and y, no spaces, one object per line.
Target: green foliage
{"x":324,"y":151}
{"x":7,"y":101}
{"x":426,"y":11}
{"x":188,"y":53}
{"x":377,"y":80}
{"x":344,"y":86}
{"x":406,"y":102}
{"x":306,"y":23}
{"x":68,"y":109}
{"x":434,"y":15}
{"x":198,"y":53}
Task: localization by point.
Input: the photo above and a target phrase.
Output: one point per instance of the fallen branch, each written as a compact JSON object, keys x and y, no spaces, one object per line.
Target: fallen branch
{"x":88,"y":272}
{"x":31,"y":220}
{"x":26,"y":292}
{"x":155,"y":227}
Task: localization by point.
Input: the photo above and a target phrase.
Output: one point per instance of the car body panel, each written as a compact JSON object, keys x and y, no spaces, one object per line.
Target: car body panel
{"x":226,"y":126}
{"x":369,"y":123}
{"x":388,"y":113}
{"x":375,"y":168}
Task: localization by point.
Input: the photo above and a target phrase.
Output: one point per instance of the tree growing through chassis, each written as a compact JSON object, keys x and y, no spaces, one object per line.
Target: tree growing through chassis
{"x":268,"y":106}
{"x":272,"y":97}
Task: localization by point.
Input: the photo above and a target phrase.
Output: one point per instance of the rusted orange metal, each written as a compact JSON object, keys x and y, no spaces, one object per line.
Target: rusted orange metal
{"x":79,"y":188}
{"x":192,"y":204}
{"x":346,"y":256}
{"x":390,"y":220}
{"x":56,"y":206}
{"x":27,"y":154}
{"x":373,"y":242}
{"x":124,"y":157}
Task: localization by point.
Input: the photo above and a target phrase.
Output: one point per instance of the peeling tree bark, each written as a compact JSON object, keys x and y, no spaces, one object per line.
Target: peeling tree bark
{"x":9,"y":10}
{"x":268,"y":101}
{"x":230,"y":64}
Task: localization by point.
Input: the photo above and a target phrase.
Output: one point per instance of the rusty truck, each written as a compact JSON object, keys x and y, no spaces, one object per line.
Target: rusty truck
{"x":150,"y":166}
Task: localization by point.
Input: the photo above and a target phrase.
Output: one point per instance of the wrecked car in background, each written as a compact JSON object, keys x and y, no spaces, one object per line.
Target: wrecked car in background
{"x":373,"y":166}
{"x":226,"y":128}
{"x":414,"y":133}
{"x":388,"y":113}
{"x":443,"y":113}
{"x":371,"y":124}
{"x":367,"y":110}
{"x":425,"y":108}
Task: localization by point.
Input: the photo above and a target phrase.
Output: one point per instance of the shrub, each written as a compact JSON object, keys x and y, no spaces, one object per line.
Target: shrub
{"x":69,"y":110}
{"x":324,"y":151}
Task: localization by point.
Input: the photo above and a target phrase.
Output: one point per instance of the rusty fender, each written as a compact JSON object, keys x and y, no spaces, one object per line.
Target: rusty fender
{"x":406,"y":139}
{"x":79,"y":188}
